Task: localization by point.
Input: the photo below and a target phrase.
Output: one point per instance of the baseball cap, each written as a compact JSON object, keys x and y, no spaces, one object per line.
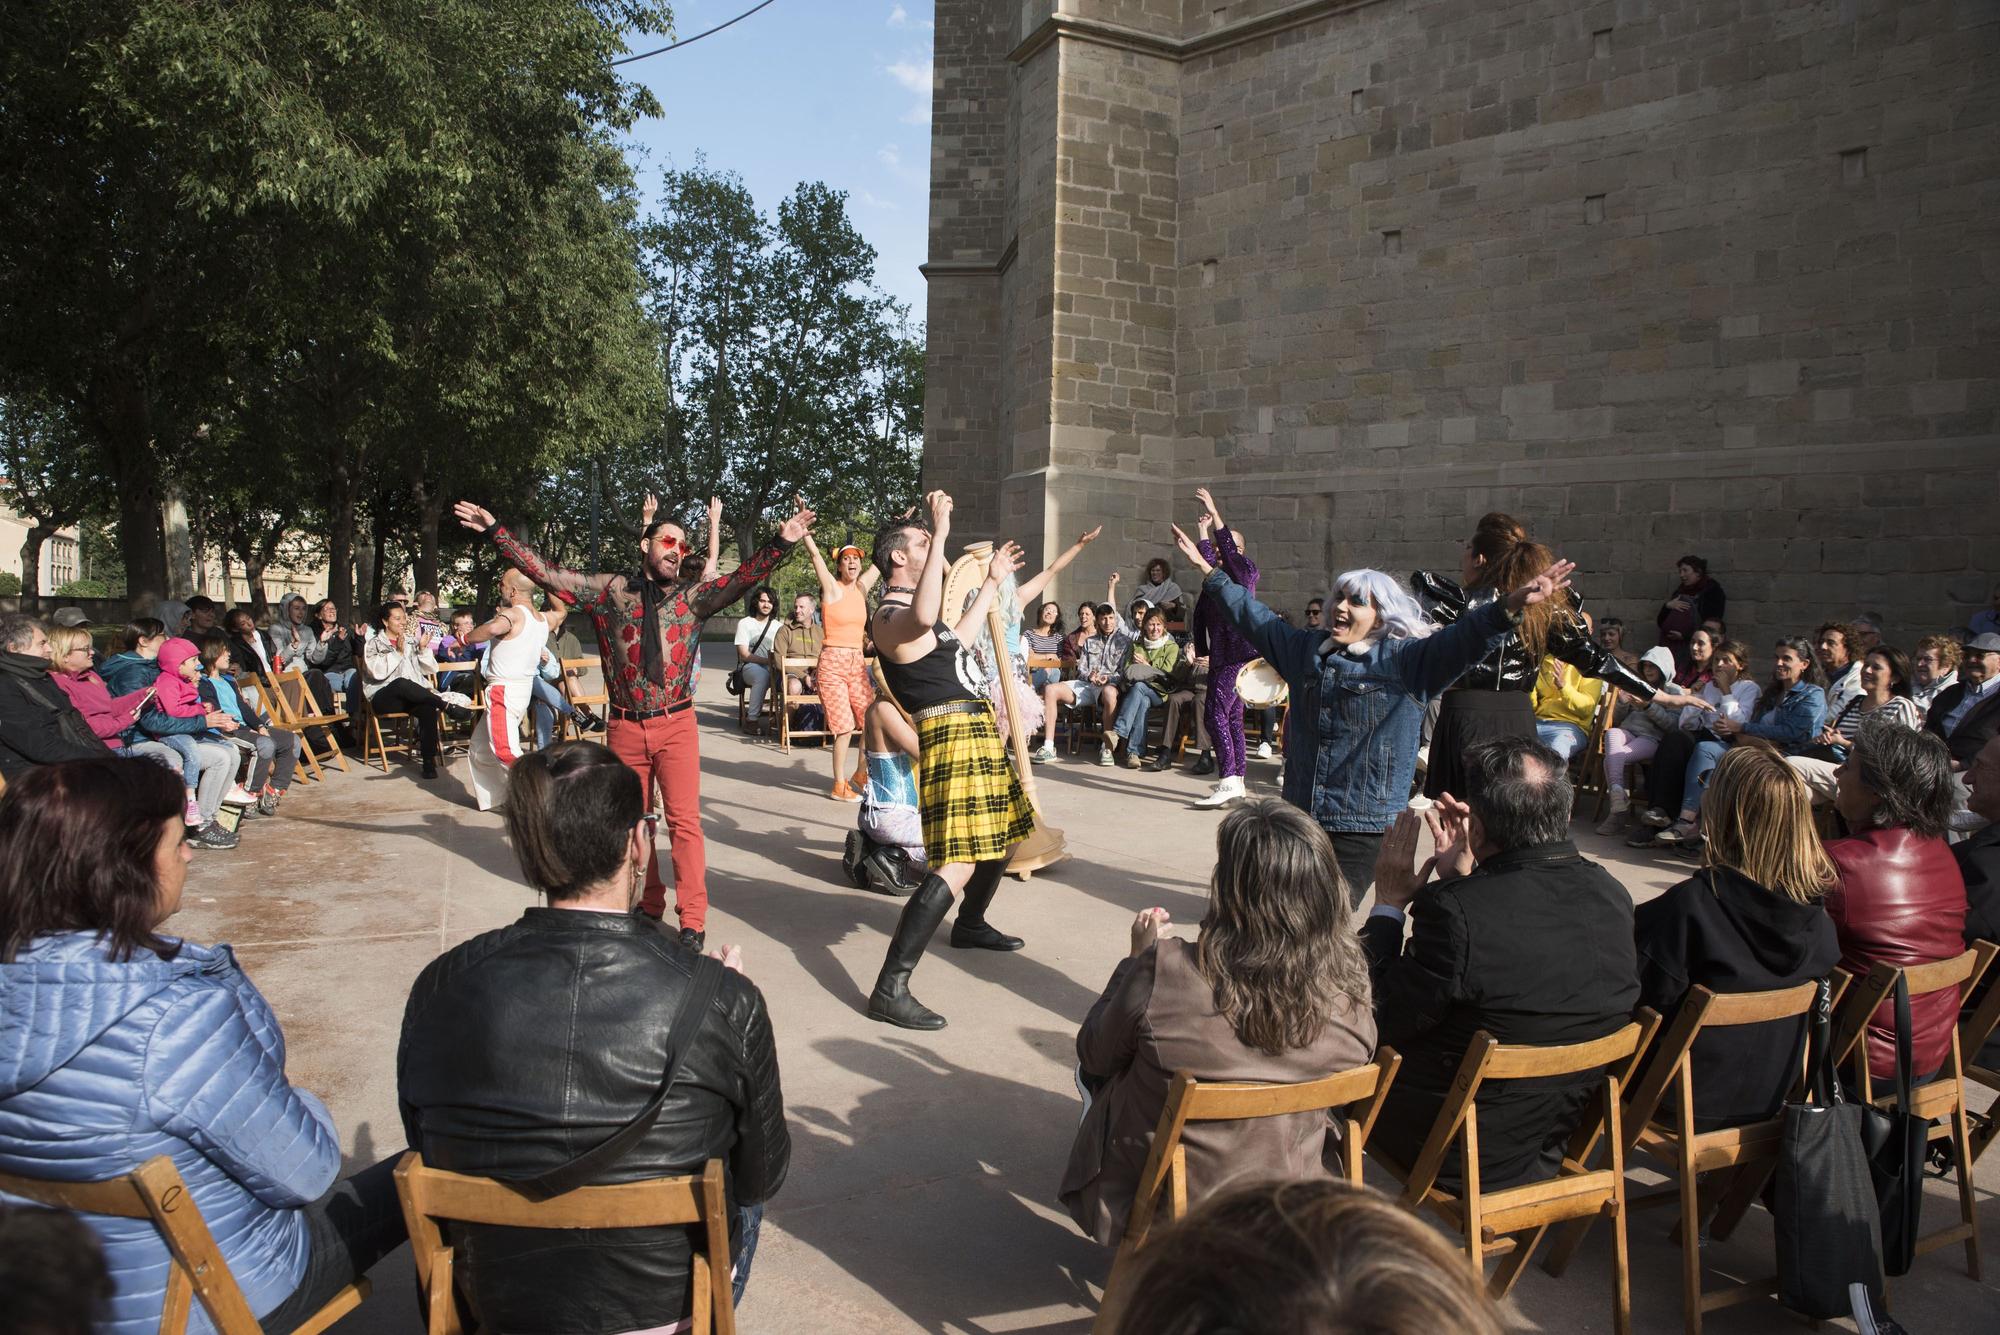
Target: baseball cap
{"x":1988,"y":643}
{"x":70,"y":616}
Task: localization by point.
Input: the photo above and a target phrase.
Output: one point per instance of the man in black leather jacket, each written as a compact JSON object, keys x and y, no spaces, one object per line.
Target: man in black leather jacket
{"x":527,"y":1046}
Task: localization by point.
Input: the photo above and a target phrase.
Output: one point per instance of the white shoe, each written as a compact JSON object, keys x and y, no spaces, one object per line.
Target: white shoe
{"x":1046,"y":751}
{"x":1263,"y":750}
{"x":1223,"y":793}
{"x":1104,"y":757}
{"x":239,"y":796}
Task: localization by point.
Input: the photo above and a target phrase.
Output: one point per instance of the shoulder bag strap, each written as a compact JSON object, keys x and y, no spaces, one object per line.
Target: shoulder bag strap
{"x":593,"y":1162}
{"x":1823,"y":1088}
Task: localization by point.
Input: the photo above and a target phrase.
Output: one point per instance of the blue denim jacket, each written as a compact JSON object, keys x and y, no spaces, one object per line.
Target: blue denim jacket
{"x":1351,"y":748}
{"x":1793,"y":720}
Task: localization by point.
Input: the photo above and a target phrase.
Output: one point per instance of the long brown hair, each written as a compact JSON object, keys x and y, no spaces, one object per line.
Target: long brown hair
{"x":570,"y":812}
{"x":77,"y":848}
{"x":1757,"y":814}
{"x":1278,"y":1258}
{"x":1277,"y":946}
{"x":1511,"y":559}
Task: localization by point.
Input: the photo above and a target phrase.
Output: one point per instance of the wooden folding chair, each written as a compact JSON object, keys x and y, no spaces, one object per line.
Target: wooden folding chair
{"x":1081,"y":723}
{"x":1488,"y":1219}
{"x":1358,"y":1094}
{"x":197,"y":1270}
{"x":578,"y":695}
{"x":1942,"y":1100}
{"x":1671,"y":1138}
{"x":791,"y":699}
{"x":1586,"y":772}
{"x":432,"y":1195}
{"x":293,"y":708}
{"x":1975,"y":1029}
{"x":453,"y":734}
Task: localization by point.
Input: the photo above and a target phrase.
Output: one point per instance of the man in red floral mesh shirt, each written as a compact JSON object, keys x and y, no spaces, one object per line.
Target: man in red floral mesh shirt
{"x":649,"y":676}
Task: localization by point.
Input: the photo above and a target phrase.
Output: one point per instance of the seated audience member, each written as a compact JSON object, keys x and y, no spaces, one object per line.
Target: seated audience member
{"x":1159,"y":589}
{"x":1315,"y":614}
{"x":1987,"y":620}
{"x":1611,"y":636}
{"x":1685,"y":755}
{"x":292,"y":633}
{"x":1694,"y":600}
{"x":453,"y":646}
{"x":38,"y":724}
{"x":1100,"y":667}
{"x":1901,"y":899}
{"x":1086,"y":626}
{"x":802,"y":637}
{"x":138,"y":660}
{"x":1193,"y":697}
{"x":1934,"y":669}
{"x":546,"y":701}
{"x":1979,"y":857}
{"x":252,"y":650}
{"x":1635,"y":735}
{"x":53,"y":1273}
{"x":1045,"y":638}
{"x":1275,"y":989}
{"x":1867,"y":628}
{"x":274,"y":752}
{"x":1145,"y":688}
{"x":566,"y":648}
{"x":1884,"y":699}
{"x":1565,"y":703}
{"x":1521,"y":936}
{"x":1967,"y":716}
{"x":424,"y":616}
{"x":1284,"y":1258}
{"x":1840,"y":661}
{"x":1696,"y":664}
{"x":203,"y":614}
{"x":756,"y":640}
{"x":333,"y":655}
{"x":1749,"y":921}
{"x":179,"y":1055}
{"x":490,"y":1088}
{"x":113,"y":719}
{"x":135,"y":672}
{"x":395,"y":674}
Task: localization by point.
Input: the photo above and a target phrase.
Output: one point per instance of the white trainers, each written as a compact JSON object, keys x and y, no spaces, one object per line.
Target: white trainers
{"x":239,"y":796}
{"x":1223,"y":793}
{"x":1046,"y":751}
{"x":1263,"y":750}
{"x":1104,"y":757}
{"x":1614,"y":818}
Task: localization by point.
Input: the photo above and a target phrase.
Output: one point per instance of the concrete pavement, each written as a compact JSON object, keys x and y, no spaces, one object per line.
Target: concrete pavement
{"x":924,"y":1169}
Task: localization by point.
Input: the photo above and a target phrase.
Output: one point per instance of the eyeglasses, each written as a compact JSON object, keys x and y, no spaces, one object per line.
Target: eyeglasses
{"x":672,"y":546}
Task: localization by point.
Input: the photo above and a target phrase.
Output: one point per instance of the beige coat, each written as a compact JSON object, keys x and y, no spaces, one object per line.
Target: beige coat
{"x":1157,"y":1016}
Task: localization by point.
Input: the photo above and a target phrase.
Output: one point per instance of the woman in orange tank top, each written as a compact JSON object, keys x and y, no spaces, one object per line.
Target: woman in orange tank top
{"x":844,"y":689}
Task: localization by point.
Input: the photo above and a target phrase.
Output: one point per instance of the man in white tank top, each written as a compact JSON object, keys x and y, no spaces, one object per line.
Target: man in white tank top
{"x":519,"y":633}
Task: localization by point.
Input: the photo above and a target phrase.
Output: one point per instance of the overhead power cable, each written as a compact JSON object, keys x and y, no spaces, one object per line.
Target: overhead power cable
{"x":690,"y":41}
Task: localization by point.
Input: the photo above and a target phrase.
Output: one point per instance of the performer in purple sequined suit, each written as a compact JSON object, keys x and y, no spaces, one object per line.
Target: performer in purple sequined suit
{"x":1227,"y":651}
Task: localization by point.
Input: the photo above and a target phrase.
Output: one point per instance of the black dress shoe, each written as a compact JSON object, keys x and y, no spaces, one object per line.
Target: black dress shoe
{"x":1204,"y":763}
{"x":693,"y":940}
{"x":1163,"y":761}
{"x":430,"y":768}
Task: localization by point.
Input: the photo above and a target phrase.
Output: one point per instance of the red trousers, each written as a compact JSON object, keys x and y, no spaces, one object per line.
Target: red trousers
{"x":665,"y":753}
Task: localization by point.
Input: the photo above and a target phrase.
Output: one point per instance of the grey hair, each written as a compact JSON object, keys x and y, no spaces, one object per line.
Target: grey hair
{"x":17,"y":631}
{"x":1402,"y":615}
{"x":1520,"y":792}
{"x":1910,"y":774}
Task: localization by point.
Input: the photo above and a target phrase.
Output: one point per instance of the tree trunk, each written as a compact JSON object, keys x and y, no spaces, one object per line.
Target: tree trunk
{"x":363,"y":543}
{"x":31,"y":561}
{"x":253,"y":582}
{"x":430,"y":515}
{"x":119,"y":409}
{"x":379,"y":586}
{"x":341,"y":551}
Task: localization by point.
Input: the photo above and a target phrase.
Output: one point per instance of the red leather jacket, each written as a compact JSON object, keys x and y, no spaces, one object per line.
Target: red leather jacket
{"x":1901,"y":901}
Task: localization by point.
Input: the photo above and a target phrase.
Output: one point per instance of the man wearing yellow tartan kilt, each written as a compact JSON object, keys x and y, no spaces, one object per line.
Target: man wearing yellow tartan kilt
{"x":970,"y":798}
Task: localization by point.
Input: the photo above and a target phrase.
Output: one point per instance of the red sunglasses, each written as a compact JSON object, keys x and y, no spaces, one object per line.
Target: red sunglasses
{"x":672,"y":546}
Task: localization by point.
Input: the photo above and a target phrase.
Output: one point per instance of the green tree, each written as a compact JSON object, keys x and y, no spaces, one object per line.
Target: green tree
{"x":46,"y":475}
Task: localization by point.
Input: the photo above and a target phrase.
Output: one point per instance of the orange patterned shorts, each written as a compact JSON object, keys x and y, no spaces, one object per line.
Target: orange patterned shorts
{"x":844,"y":689}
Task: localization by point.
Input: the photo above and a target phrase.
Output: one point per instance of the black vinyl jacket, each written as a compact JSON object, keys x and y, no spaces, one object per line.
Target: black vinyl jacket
{"x":525,"y":1047}
{"x":1511,"y":667}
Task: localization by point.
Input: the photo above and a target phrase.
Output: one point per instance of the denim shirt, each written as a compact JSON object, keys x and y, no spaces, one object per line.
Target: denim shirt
{"x":1356,"y":720}
{"x":1792,"y":720}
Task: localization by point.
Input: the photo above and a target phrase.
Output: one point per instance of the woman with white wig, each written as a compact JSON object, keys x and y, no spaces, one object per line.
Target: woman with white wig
{"x":1359,"y":684}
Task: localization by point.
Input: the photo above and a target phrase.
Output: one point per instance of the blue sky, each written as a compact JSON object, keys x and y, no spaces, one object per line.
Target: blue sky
{"x":829,"y":90}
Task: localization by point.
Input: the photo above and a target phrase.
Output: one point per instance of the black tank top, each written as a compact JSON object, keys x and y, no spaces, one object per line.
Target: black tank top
{"x":948,"y":673}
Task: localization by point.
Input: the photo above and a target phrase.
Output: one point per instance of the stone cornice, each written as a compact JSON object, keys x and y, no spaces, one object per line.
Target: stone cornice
{"x":1124,"y":38}
{"x":972,"y":268}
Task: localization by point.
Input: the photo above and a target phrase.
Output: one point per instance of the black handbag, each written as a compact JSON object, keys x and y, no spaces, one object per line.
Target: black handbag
{"x":585,"y":1168}
{"x":1827,"y":1222}
{"x":1897,"y":1145}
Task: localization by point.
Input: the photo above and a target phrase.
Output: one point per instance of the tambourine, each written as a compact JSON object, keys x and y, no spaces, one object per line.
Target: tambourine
{"x":1260,"y":687}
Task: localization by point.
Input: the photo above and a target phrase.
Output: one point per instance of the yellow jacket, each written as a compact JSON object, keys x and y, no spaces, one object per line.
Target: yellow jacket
{"x":1564,"y":695}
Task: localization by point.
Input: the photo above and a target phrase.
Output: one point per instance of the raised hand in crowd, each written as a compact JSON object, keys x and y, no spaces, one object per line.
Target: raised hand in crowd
{"x":647,"y":509}
{"x":1148,"y":928}
{"x":475,"y":517}
{"x":1007,"y":559}
{"x":1450,"y":823}
{"x":1208,"y":510}
{"x":1190,"y":551}
{"x":794,"y":528}
{"x":939,"y":503}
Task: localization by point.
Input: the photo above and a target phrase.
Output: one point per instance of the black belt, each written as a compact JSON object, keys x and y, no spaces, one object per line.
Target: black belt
{"x":952,"y":707}
{"x":641,"y":715}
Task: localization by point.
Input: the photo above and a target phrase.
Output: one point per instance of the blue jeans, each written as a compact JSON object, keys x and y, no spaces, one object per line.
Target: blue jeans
{"x":753,"y":1223}
{"x":182,"y":745}
{"x":1707,"y":755}
{"x":1131,"y":721}
{"x":548,"y":703}
{"x":1044,"y":676}
{"x":1565,"y":739}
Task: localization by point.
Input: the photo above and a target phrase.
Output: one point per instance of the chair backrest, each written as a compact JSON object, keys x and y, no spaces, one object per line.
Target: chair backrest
{"x":197,"y":1271}
{"x":1487,"y":1059}
{"x":431,"y":1195}
{"x":1961,"y":971}
{"x":291,"y":691}
{"x":1973,"y":1030}
{"x":1703,"y":1009}
{"x":575,"y":688}
{"x":1191,"y":1100}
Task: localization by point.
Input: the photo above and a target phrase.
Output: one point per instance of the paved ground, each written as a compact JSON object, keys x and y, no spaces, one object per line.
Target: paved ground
{"x":924,"y":1168}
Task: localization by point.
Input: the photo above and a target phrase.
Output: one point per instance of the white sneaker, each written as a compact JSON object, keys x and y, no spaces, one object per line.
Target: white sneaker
{"x":1263,"y":750}
{"x":239,"y":796}
{"x":1223,"y":793}
{"x":1104,"y":757}
{"x":1046,"y":751}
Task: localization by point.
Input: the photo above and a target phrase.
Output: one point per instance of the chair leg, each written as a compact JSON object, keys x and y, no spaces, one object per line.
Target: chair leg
{"x":1742,"y":1192}
{"x":1508,"y":1272}
{"x":1968,"y":1207}
{"x":1569,"y":1240}
{"x":1112,"y":1308}
{"x":1621,"y":1272}
{"x":1984,"y":1133}
{"x":1690,"y":1243}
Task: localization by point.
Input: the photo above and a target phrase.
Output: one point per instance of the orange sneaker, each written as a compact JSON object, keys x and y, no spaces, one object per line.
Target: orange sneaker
{"x":858,"y":781}
{"x":842,"y":793}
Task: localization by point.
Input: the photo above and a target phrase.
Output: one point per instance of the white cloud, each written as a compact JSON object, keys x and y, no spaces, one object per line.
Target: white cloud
{"x":875,"y":202}
{"x":913,"y":77}
{"x":899,"y":17}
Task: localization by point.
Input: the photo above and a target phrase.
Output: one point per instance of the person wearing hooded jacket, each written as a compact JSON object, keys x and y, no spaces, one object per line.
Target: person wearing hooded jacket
{"x":126,"y":1044}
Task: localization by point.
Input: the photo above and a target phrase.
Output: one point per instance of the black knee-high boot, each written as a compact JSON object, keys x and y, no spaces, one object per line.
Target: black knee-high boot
{"x":891,"y":1001}
{"x":971,"y":931}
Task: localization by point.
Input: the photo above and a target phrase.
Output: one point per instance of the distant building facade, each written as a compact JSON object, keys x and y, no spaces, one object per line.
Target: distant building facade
{"x":59,"y":557}
{"x":1656,"y":277}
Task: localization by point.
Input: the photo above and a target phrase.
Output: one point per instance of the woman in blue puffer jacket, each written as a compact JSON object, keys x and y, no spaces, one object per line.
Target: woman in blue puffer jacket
{"x":119,"y":1044}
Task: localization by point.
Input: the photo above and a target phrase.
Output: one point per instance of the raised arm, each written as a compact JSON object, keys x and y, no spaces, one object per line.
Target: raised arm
{"x":1006,"y":560}
{"x":711,"y":566}
{"x":826,"y":580}
{"x":711,"y":597}
{"x":569,"y":585}
{"x":1592,"y":659}
{"x":501,"y":626}
{"x":903,"y":626}
{"x":1290,"y":649}
{"x":1028,"y":592}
